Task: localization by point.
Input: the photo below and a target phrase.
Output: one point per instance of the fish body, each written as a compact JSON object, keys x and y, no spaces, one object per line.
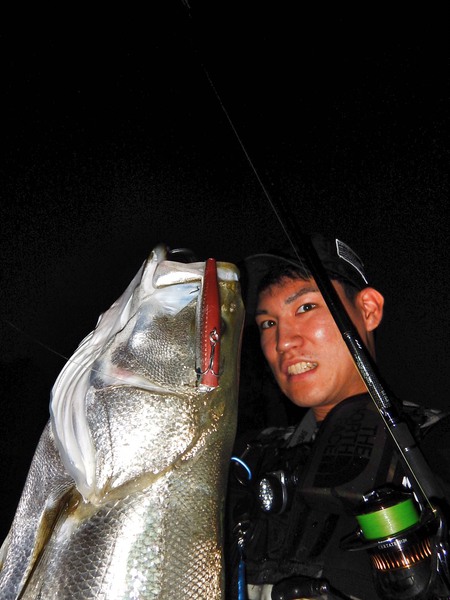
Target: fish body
{"x":125,"y":493}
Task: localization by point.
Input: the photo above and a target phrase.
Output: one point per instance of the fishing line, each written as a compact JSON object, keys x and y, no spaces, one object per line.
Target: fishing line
{"x":67,"y":360}
{"x":250,"y":162}
{"x":35,"y":340}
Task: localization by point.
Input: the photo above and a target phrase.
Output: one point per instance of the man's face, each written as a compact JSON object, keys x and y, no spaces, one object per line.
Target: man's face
{"x":304,"y":347}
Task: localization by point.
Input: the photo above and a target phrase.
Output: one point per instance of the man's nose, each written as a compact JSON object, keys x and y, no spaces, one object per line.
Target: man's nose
{"x":287,"y":337}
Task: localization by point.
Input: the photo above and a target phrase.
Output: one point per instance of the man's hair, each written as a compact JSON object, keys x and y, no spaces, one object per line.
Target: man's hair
{"x":283,"y":270}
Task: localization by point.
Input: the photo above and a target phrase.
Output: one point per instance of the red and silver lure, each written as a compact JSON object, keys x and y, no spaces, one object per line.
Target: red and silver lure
{"x":209,"y":327}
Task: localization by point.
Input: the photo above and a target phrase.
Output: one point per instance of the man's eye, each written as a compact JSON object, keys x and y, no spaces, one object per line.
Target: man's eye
{"x":306,"y":307}
{"x":266,"y":324}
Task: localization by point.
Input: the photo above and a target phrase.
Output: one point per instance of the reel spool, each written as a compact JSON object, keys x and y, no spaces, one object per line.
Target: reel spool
{"x":400,"y":542}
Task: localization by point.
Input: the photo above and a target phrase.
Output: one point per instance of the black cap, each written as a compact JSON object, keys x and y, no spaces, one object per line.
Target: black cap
{"x":338,"y":259}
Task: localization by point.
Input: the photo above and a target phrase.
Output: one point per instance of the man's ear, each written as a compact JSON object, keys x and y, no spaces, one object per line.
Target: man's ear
{"x":370,"y":302}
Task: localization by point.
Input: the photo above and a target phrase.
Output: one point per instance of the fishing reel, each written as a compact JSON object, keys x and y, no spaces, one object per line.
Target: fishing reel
{"x":405,"y":545}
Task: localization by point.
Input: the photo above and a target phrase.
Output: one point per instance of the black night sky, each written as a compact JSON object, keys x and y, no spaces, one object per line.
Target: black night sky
{"x":114,"y":139}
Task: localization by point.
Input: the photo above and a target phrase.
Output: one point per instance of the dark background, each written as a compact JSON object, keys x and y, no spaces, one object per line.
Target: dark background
{"x":113,"y":140}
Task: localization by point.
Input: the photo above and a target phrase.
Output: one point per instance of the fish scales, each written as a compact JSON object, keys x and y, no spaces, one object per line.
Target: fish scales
{"x":124,"y":499}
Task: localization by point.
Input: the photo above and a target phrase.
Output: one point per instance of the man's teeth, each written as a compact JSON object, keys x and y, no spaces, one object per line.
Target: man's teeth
{"x":301,"y":367}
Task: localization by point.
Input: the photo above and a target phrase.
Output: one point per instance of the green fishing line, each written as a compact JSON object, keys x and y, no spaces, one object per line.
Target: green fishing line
{"x":387,"y":521}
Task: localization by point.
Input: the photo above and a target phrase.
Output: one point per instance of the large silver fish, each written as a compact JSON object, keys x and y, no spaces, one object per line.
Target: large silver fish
{"x":124,"y":498}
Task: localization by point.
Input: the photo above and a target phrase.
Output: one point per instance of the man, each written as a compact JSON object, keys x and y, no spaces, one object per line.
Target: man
{"x":295,"y":504}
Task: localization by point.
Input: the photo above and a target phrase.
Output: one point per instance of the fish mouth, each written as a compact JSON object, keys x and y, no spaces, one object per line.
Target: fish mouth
{"x":301,"y":367}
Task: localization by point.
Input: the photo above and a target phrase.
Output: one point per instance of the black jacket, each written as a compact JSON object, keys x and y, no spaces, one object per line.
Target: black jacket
{"x":321,"y":475}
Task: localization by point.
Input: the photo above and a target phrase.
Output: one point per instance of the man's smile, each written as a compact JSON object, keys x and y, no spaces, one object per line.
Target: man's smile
{"x":301,"y":367}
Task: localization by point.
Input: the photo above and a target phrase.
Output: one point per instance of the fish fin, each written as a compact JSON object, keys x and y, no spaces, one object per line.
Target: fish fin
{"x":51,"y":518}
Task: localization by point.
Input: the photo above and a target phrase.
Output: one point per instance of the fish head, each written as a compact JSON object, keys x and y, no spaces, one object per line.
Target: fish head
{"x":153,"y":338}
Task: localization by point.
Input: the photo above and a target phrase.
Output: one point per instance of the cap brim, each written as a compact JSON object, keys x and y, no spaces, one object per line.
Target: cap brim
{"x":339,"y":261}
{"x":254,"y":269}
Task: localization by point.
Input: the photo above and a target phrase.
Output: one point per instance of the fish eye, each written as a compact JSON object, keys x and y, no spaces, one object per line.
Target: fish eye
{"x":182,"y":255}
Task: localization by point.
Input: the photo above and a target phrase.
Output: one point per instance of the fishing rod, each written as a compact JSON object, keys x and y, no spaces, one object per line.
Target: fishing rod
{"x":306,"y":253}
{"x":423,"y":481}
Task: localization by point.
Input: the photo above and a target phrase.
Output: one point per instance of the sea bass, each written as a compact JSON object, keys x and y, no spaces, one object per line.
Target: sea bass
{"x":125,"y":493}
